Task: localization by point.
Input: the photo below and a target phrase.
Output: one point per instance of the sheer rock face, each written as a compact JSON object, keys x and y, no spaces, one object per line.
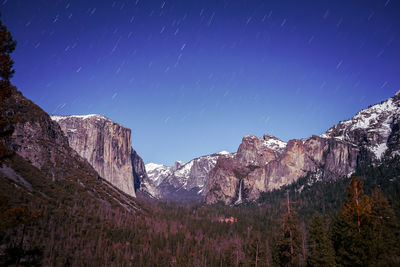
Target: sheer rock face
{"x":331,"y":158}
{"x":224,"y":180}
{"x":139,"y":171}
{"x":269,"y":163}
{"x":258,"y":152}
{"x":141,"y":179}
{"x":105,"y":144}
{"x":272,"y":169}
{"x":248,"y":164}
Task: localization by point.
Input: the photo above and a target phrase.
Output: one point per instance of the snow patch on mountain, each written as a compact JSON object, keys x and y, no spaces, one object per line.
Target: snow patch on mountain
{"x":152,"y":166}
{"x":183,"y":173}
{"x":157,"y":172}
{"x":379,"y":150}
{"x":274,"y":144}
{"x":369,"y":118}
{"x":374,"y":122}
{"x":83,"y":117}
{"x":184,"y":176}
{"x":375,"y":118}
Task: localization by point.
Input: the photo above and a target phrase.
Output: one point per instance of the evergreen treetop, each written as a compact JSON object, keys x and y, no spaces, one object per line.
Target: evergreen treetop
{"x":7,"y":46}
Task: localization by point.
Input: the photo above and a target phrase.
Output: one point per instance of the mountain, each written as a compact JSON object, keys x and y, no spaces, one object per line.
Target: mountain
{"x":107,"y":146}
{"x":141,"y":179}
{"x":54,"y":205}
{"x":183,"y":180}
{"x":37,"y":142}
{"x":375,"y":129}
{"x":266,"y":164}
{"x":61,"y":212}
{"x":37,"y":139}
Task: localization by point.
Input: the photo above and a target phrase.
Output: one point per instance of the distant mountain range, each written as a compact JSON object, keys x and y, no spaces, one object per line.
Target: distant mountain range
{"x":364,"y":140}
{"x":259,"y":165}
{"x":264,"y":164}
{"x":183,"y":180}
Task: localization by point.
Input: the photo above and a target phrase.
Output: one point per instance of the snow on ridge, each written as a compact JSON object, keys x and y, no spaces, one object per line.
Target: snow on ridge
{"x":185,"y":169}
{"x":250,"y":136}
{"x":375,"y":118}
{"x":57,"y":118}
{"x":365,"y":118}
{"x":324,"y":135}
{"x":152,"y":166}
{"x":274,"y":143}
{"x":84,"y":117}
{"x":223,"y":152}
{"x":98,"y":117}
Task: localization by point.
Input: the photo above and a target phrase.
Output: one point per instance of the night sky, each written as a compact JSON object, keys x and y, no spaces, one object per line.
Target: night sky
{"x":193,"y":77}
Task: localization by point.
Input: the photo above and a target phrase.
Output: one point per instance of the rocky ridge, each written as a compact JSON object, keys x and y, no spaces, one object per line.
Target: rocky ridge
{"x":37,"y":161}
{"x":183,"y":180}
{"x":39,"y":140}
{"x":265,"y":164}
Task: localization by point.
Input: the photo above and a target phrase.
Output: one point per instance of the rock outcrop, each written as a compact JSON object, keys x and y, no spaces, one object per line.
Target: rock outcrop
{"x":106,"y":145}
{"x":38,"y":139}
{"x":265,"y":164}
{"x":141,"y":180}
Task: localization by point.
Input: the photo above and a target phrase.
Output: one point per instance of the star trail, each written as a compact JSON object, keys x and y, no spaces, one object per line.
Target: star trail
{"x":193,"y":77}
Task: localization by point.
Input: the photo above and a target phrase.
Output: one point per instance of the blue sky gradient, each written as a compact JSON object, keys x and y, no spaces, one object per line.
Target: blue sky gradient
{"x":193,"y":77}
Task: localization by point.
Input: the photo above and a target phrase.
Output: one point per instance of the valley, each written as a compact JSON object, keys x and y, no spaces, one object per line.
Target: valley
{"x":83,"y":210}
{"x":75,"y":189}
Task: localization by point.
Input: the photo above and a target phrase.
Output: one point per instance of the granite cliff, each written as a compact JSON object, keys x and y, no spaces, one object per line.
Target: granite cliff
{"x":106,"y":145}
{"x":38,"y":166}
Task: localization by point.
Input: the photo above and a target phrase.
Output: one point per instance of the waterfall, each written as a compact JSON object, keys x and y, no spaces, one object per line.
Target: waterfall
{"x":239,"y":200}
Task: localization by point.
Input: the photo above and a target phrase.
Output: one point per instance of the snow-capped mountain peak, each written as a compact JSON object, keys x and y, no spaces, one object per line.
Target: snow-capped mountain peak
{"x":188,"y":177}
{"x":152,"y":166}
{"x":273,"y":143}
{"x":374,"y":124}
{"x":157,"y":172}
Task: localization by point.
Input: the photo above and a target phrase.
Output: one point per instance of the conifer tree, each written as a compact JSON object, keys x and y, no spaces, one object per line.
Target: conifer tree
{"x":287,"y":248}
{"x":256,"y":251}
{"x":383,"y":236}
{"x":7,"y":46}
{"x":321,"y":249}
{"x":351,"y":229}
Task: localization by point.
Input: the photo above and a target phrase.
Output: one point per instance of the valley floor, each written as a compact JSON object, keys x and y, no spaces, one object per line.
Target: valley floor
{"x":70,"y":228}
